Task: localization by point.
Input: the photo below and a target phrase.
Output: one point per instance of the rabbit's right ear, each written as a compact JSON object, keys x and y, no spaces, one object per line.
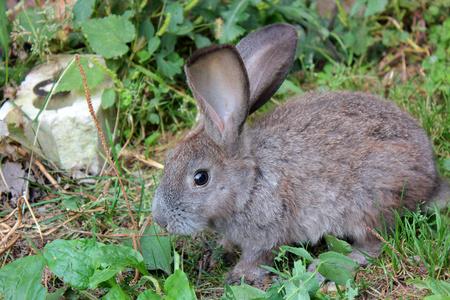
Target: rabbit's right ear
{"x":219,"y":82}
{"x":268,"y":54}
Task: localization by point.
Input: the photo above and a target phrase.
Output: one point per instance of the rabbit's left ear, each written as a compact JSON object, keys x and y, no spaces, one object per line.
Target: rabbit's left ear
{"x":268,"y":54}
{"x":219,"y":81}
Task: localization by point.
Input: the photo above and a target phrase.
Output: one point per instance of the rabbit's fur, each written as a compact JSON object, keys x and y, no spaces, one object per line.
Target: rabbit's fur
{"x":322,"y":163}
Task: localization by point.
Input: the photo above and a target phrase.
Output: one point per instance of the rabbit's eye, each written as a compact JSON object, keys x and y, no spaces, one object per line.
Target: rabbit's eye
{"x":201,"y":178}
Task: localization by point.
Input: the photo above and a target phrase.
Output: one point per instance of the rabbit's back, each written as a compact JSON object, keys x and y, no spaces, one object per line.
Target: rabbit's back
{"x":339,"y":159}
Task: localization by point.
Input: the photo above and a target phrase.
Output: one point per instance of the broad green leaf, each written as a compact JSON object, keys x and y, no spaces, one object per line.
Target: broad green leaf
{"x":201,"y":41}
{"x":108,"y":98}
{"x":72,"y":260}
{"x":119,"y":256}
{"x":301,"y":276}
{"x":335,"y":258}
{"x":168,"y":42}
{"x":420,"y":284}
{"x":156,"y":250}
{"x":21,"y":279}
{"x":374,"y":7}
{"x":116,"y":293}
{"x":335,"y":273}
{"x":273,"y":292}
{"x":245,"y":291}
{"x":108,"y":36}
{"x":300,"y":252}
{"x":72,"y":202}
{"x":100,"y":276}
{"x":439,"y":287}
{"x":32,"y":21}
{"x":305,"y":19}
{"x":147,"y":29}
{"x":153,"y":44}
{"x":177,"y":287}
{"x":232,"y":16}
{"x":352,"y":292}
{"x":169,"y":66}
{"x":357,"y":6}
{"x":290,"y":86}
{"x":71,"y":79}
{"x":446,"y":164}
{"x":437,"y":297}
{"x":336,"y":245}
{"x":149,"y":295}
{"x":184,"y":28}
{"x":82,"y":10}
{"x":58,"y":294}
{"x":176,"y":11}
{"x":296,"y":292}
{"x":228,"y":294}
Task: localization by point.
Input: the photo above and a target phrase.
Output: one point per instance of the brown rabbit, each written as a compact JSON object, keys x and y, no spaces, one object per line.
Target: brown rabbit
{"x":322,"y":163}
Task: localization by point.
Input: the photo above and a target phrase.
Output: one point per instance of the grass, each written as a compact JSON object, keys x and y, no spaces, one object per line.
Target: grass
{"x":414,"y":260}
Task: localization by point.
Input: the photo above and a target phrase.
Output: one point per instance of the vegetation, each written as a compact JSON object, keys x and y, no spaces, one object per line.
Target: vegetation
{"x":79,"y":233}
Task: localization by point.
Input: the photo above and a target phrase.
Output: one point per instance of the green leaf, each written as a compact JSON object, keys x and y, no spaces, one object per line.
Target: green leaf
{"x":235,"y":14}
{"x":108,"y":98}
{"x":296,"y":292}
{"x":439,"y":287}
{"x":446,"y":164}
{"x":153,"y":44}
{"x":177,"y":287}
{"x":176,"y":11}
{"x":302,"y":277}
{"x":21,"y":279}
{"x":300,"y":252}
{"x":119,"y":256}
{"x":35,"y":25}
{"x":374,"y":7}
{"x":58,"y":294}
{"x":335,"y":273}
{"x":290,"y":86}
{"x":149,"y":295}
{"x":100,"y":276}
{"x":82,"y":10}
{"x":108,"y":36}
{"x":147,"y":29}
{"x":336,"y":245}
{"x":151,"y":139}
{"x":335,"y":258}
{"x":72,"y":202}
{"x":72,"y":260}
{"x":156,"y":250}
{"x":357,"y":6}
{"x":437,"y":297}
{"x":71,"y":79}
{"x":245,"y":291}
{"x":116,"y":293}
{"x":170,"y":66}
{"x":201,"y":41}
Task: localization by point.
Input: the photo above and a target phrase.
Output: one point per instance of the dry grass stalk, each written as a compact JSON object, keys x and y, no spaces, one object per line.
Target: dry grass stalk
{"x":105,"y":148}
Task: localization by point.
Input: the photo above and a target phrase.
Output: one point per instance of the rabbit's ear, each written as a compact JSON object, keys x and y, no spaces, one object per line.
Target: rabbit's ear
{"x":268,"y":54}
{"x":219,"y":81}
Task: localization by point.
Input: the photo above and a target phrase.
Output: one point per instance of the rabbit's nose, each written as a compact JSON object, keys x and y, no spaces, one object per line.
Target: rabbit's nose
{"x":159,"y":219}
{"x":158,"y":212}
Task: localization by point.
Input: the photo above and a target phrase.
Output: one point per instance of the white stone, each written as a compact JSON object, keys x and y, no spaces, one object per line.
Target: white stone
{"x":67,"y":133}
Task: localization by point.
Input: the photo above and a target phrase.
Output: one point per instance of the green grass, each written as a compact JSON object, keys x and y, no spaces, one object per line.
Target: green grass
{"x":157,"y":109}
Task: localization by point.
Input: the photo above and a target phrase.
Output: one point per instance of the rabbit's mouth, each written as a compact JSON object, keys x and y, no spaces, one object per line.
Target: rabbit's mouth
{"x":183,"y":227}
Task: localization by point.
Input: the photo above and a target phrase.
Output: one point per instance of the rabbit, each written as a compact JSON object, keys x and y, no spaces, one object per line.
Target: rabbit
{"x":330,"y":162}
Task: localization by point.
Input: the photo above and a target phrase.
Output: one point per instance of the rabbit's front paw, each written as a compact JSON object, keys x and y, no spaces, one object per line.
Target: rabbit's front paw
{"x":252,"y":276}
